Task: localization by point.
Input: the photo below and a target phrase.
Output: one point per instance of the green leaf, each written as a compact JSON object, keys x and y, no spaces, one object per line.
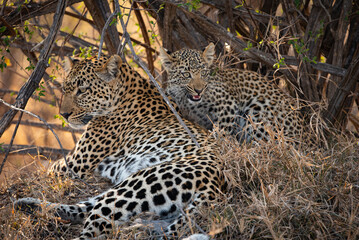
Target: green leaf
{"x":57,"y":116}
{"x":249,"y":46}
{"x":2,"y":29}
{"x":114,"y":20}
{"x":297,"y":3}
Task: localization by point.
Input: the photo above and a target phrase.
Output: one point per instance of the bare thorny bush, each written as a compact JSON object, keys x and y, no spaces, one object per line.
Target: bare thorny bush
{"x":275,"y":190}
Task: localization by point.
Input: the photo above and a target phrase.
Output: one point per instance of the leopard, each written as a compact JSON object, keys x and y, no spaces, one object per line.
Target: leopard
{"x":134,"y":139}
{"x":242,"y":103}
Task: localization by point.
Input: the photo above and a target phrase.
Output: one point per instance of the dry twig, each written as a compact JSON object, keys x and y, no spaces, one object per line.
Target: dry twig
{"x":11,"y":142}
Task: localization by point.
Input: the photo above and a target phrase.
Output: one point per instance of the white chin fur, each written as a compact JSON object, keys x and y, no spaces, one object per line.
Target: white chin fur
{"x":76,"y":126}
{"x":194,"y":102}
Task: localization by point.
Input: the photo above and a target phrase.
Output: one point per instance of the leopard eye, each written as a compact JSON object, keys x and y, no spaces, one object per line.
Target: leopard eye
{"x":204,"y":73}
{"x":186,"y":74}
{"x":81,"y":90}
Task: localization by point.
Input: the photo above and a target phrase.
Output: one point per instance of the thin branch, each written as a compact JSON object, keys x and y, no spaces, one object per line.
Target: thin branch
{"x":29,"y":53}
{"x":259,"y":31}
{"x":261,"y":17}
{"x":7,"y":91}
{"x":3,"y":8}
{"x":158,"y":73}
{"x":109,"y":19}
{"x":76,"y":41}
{"x":125,"y":37}
{"x":141,"y":44}
{"x":34,"y":150}
{"x":73,"y":30}
{"x":11,"y":142}
{"x":80,"y":17}
{"x":325,"y":10}
{"x":28,"y":45}
{"x":54,"y":126}
{"x":229,"y":11}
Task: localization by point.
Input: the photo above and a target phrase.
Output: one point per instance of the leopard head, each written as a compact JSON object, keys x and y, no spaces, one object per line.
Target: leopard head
{"x":90,"y":89}
{"x":188,"y":72}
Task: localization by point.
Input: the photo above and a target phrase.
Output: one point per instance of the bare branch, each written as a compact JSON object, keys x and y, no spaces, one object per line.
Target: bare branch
{"x":76,"y":41}
{"x":142,"y":44}
{"x":23,"y":45}
{"x":54,"y":126}
{"x":261,"y":17}
{"x":32,"y":96}
{"x":11,"y":142}
{"x":3,"y":8}
{"x":34,"y":150}
{"x":80,"y":17}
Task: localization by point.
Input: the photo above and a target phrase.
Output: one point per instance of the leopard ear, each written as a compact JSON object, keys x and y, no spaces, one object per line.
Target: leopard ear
{"x":166,"y":59}
{"x":68,"y":64}
{"x":208,"y":54}
{"x":110,"y":70}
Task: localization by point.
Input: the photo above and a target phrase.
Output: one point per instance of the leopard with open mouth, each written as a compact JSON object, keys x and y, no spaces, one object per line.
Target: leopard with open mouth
{"x":243,"y":103}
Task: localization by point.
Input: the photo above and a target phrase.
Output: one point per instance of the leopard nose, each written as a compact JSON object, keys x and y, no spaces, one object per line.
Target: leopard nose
{"x":66,"y":115}
{"x":199,"y":91}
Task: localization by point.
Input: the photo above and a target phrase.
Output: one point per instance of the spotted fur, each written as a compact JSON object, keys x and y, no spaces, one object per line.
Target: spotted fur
{"x":241,"y":102}
{"x":133,"y":139}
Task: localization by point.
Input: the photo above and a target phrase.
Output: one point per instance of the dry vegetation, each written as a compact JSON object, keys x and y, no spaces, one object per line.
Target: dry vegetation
{"x":276,"y":191}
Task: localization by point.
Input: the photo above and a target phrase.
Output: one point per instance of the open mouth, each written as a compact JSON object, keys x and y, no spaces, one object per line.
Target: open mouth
{"x":195,"y":98}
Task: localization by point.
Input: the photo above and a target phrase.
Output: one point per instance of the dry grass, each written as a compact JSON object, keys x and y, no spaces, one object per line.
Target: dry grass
{"x":44,"y":225}
{"x":276,"y":192}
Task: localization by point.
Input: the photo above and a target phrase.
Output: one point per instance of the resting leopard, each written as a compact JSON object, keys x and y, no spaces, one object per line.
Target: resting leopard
{"x":241,"y":102}
{"x":133,"y":139}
